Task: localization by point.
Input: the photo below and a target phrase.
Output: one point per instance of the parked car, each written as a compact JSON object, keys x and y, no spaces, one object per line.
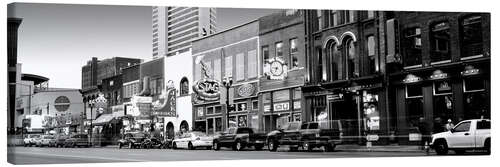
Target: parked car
{"x":60,"y":139}
{"x":77,"y":140}
{"x":466,"y":135}
{"x":154,"y":142}
{"x":193,"y":140}
{"x":30,"y":139}
{"x":326,"y":134}
{"x":46,"y":140}
{"x":132,"y":139}
{"x":239,"y":138}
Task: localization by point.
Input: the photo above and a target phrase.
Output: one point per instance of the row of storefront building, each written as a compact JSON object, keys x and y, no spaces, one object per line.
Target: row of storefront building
{"x":376,"y":71}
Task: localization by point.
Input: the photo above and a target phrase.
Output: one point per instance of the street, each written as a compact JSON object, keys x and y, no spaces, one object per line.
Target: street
{"x":36,"y":155}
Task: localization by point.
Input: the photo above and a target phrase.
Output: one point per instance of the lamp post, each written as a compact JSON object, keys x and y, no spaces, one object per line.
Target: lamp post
{"x":227,"y":82}
{"x":91,"y":105}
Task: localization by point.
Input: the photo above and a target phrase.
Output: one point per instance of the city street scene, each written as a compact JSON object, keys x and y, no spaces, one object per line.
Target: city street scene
{"x":109,"y":83}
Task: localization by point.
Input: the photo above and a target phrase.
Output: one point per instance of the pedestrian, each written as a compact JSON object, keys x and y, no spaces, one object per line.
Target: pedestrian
{"x":449,"y":125}
{"x":423,"y":127}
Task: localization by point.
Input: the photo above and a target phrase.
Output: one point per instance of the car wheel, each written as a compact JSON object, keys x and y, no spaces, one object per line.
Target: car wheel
{"x":487,"y":146}
{"x":239,"y":145}
{"x":216,"y":145}
{"x":307,"y":146}
{"x":174,"y":145}
{"x":130,"y":146}
{"x":190,"y":146}
{"x":272,"y":146}
{"x":441,"y":148}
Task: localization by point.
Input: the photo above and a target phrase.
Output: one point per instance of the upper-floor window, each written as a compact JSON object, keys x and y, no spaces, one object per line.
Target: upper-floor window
{"x":265,"y":53}
{"x":294,"y":53}
{"x":412,"y":47}
{"x":279,"y":50}
{"x":240,"y":66}
{"x":370,"y":45}
{"x":228,"y":62}
{"x":252,"y":64}
{"x":321,"y":65}
{"x":335,"y":61}
{"x":319,"y":19}
{"x":471,"y":36}
{"x":333,"y":18}
{"x":184,"y":87}
{"x":440,"y":42}
{"x":346,"y":16}
{"x":217,"y":69}
{"x":352,"y":59}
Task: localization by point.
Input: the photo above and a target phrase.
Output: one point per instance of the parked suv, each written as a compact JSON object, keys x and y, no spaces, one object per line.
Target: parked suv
{"x":466,"y":135}
{"x":46,"y":140}
{"x":239,"y":138}
{"x":77,"y":140}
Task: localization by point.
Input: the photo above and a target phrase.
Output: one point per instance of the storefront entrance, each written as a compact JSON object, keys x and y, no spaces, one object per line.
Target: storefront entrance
{"x":347,"y":111}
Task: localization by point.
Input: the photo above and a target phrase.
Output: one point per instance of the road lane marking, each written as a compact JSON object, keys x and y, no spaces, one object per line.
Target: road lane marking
{"x":81,"y":157}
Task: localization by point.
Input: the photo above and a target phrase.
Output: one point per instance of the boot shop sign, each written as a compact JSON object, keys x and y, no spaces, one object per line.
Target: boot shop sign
{"x":207,"y":89}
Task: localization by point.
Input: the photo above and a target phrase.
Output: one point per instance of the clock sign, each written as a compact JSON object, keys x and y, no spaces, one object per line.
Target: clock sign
{"x":276,"y":68}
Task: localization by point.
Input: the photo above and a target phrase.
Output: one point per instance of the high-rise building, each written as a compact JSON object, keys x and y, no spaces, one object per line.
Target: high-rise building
{"x":175,"y":27}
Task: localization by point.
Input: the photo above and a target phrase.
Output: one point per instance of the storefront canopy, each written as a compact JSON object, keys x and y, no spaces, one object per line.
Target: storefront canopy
{"x":103,"y":119}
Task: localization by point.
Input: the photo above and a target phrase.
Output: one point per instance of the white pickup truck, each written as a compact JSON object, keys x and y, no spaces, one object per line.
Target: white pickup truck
{"x":466,"y":135}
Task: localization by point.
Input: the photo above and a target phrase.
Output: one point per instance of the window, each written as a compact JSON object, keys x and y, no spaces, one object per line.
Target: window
{"x":474,"y":84}
{"x":319,"y":19}
{"x":242,"y":121}
{"x":252,"y":64}
{"x":241,"y":107}
{"x":218,"y":109}
{"x":413,"y":91}
{"x":218,"y":124}
{"x":463,"y":127}
{"x":240,"y":66}
{"x":297,"y":93}
{"x":184,"y":86}
{"x":440,"y":42}
{"x":472,"y":36}
{"x":413,"y":47}
{"x":210,"y":110}
{"x":294,"y":60}
{"x":265,"y":53}
{"x":279,"y":50}
{"x":228,"y":62}
{"x":352,"y":59}
{"x":266,"y":98}
{"x":483,"y":125}
{"x":333,"y":18}
{"x":372,"y":66}
{"x":282,"y":95}
{"x":370,"y":14}
{"x":335,"y":61}
{"x":321,"y":65}
{"x":255,"y":105}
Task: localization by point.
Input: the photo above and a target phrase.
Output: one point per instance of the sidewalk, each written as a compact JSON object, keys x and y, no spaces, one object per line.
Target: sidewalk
{"x":382,"y":148}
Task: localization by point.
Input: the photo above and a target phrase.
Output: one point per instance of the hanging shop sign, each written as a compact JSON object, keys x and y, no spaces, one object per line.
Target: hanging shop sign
{"x":335,"y":97}
{"x":444,"y":86}
{"x":246,"y":90}
{"x":410,"y":78}
{"x":207,"y":89}
{"x":281,"y":106}
{"x":166,"y":104}
{"x":276,"y":69}
{"x":470,"y":70}
{"x":438,"y":74}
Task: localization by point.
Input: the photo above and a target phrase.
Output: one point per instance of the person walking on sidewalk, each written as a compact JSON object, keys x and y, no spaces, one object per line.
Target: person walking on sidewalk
{"x":424,"y":129}
{"x":449,"y":125}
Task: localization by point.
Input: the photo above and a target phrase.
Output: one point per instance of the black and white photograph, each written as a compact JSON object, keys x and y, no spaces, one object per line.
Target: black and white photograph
{"x":120,"y":83}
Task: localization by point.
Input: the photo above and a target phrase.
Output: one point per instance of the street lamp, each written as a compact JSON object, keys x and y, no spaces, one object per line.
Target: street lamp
{"x":227,"y":82}
{"x":91,"y":105}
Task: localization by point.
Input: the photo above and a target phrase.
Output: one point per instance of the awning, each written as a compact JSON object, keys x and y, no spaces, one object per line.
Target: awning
{"x":103,"y":119}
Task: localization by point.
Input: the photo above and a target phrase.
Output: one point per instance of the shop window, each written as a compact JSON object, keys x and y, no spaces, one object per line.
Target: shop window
{"x":296,"y":105}
{"x":472,"y":36}
{"x":412,"y":47}
{"x":218,"y":124}
{"x":443,"y":110}
{"x":414,"y":104}
{"x":440,"y":42}
{"x":335,"y":61}
{"x":476,"y":105}
{"x":352,"y":59}
{"x":210,"y":110}
{"x":242,"y":121}
{"x":372,"y":66}
{"x":255,"y":105}
{"x":232,"y":122}
{"x":218,"y":109}
{"x":297,"y":93}
{"x":413,"y":91}
{"x":294,"y":53}
{"x":210,"y":125}
{"x":474,"y":84}
{"x":184,"y":86}
{"x":241,"y":107}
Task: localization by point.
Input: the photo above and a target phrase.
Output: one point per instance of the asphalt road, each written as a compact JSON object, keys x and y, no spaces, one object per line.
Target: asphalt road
{"x":36,"y":155}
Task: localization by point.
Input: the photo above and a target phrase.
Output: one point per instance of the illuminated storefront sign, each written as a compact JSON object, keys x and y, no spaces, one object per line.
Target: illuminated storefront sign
{"x":207,"y":89}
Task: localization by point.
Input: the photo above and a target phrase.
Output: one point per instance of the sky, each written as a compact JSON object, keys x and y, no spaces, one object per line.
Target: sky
{"x":56,"y":40}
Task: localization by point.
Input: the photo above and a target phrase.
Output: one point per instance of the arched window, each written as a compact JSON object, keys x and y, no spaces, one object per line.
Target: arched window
{"x":184,"y":87}
{"x":335,"y":61}
{"x":471,"y":36}
{"x":352,"y":62}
